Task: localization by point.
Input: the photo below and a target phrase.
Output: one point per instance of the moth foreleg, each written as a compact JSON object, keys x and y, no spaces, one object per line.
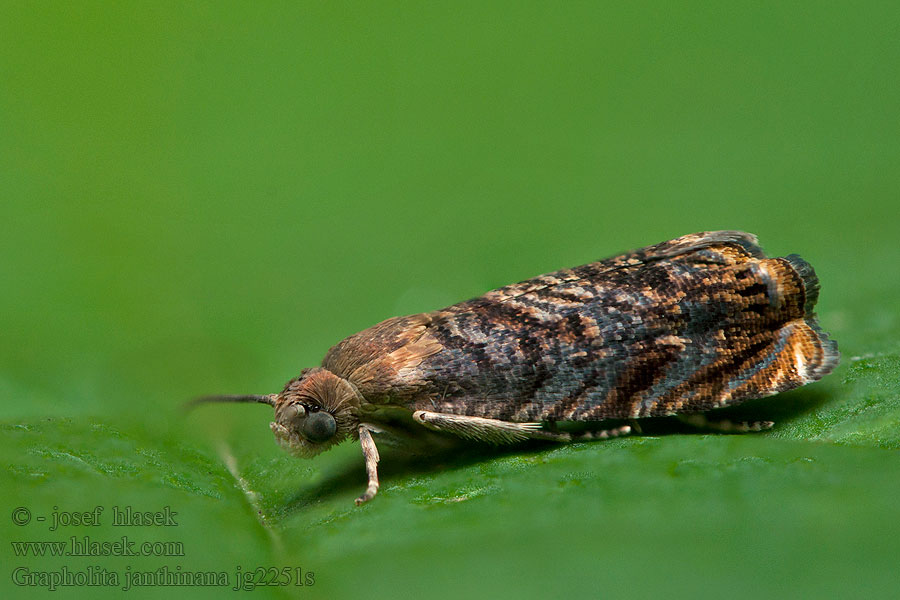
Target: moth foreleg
{"x":701,"y":421}
{"x":370,"y":452}
{"x":493,"y":431}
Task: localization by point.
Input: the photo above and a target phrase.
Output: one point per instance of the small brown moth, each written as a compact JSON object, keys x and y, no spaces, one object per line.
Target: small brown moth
{"x":696,"y":323}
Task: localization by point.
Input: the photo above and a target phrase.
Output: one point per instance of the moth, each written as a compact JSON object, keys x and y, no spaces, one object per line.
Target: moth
{"x":700,"y":322}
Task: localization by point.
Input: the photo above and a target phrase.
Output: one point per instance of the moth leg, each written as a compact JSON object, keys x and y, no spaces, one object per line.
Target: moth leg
{"x":602,"y":434}
{"x":370,"y":452}
{"x":493,"y":431}
{"x":700,"y":421}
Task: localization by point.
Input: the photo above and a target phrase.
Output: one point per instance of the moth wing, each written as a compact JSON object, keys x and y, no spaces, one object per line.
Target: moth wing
{"x":382,"y":360}
{"x":755,"y":360}
{"x":698,"y":322}
{"x":694,"y":243}
{"x":712,"y":247}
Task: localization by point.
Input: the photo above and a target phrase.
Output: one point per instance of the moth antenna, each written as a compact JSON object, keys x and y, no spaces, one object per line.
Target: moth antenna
{"x":248,"y":398}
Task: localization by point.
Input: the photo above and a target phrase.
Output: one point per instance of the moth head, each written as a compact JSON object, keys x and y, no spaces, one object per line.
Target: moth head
{"x":313,"y":412}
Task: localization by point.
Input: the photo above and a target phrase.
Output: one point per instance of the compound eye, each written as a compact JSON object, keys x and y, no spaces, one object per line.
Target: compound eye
{"x":319,"y":426}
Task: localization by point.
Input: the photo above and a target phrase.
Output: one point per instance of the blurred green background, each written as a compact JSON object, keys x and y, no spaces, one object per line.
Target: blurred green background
{"x":203,"y":197}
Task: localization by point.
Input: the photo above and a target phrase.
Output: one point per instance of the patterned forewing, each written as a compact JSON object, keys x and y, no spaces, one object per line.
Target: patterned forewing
{"x":685,"y":325}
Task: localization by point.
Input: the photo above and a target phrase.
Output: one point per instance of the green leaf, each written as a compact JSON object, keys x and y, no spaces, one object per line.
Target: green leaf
{"x":203,"y":198}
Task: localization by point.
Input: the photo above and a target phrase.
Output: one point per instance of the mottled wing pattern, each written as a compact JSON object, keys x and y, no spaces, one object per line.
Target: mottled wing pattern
{"x":695,"y":323}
